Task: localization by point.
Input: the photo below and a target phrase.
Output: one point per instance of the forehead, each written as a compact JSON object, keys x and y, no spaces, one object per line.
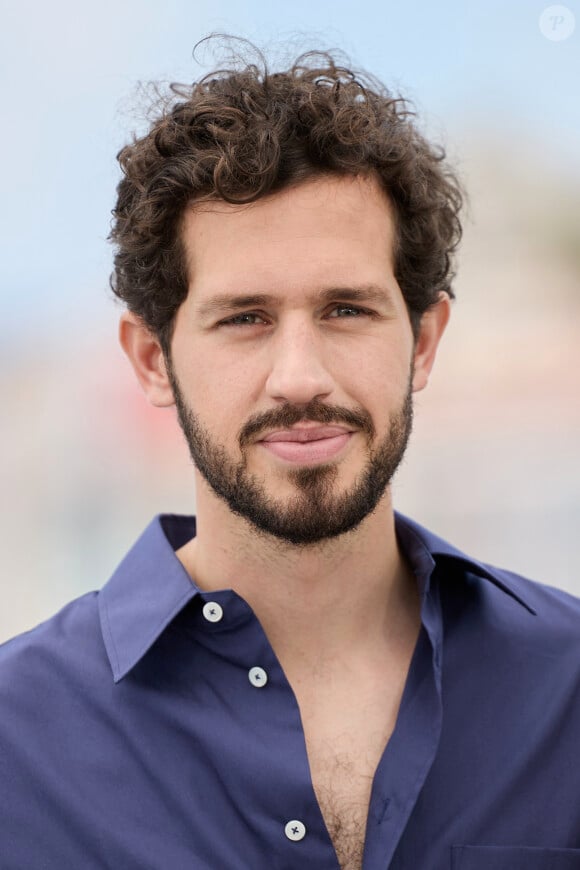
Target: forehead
{"x":326,"y":231}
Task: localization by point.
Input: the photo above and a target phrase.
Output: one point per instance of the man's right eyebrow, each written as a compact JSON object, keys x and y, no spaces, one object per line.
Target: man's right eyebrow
{"x":232,"y":302}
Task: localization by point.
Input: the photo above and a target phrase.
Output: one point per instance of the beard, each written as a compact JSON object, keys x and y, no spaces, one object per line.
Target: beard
{"x":316,"y":512}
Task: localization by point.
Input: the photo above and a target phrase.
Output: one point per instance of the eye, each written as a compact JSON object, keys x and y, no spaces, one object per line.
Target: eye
{"x":348,"y":311}
{"x":247,"y":318}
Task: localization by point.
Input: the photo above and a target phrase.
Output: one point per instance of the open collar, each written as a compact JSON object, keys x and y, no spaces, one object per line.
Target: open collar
{"x":151,"y":586}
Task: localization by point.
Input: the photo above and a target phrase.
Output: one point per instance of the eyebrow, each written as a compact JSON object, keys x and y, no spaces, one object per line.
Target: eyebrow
{"x":370,"y":293}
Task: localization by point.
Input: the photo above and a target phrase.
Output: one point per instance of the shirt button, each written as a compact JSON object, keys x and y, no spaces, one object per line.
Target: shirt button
{"x":257,"y":677}
{"x":295,"y":830}
{"x":212,"y":611}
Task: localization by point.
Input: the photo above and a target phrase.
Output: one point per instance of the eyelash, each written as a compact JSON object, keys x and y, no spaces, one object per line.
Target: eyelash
{"x":356,"y":308}
{"x":231,"y":321}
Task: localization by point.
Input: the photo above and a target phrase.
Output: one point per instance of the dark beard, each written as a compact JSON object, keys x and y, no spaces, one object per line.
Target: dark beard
{"x":314,"y":514}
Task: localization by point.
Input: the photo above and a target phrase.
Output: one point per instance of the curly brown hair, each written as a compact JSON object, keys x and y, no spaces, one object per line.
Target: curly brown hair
{"x":243,"y":133}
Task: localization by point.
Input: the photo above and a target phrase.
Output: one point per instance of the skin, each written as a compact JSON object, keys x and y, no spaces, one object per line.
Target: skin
{"x":295,"y":349}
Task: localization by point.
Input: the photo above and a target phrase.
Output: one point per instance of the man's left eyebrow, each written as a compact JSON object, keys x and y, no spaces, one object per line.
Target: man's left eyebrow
{"x":371,"y":293}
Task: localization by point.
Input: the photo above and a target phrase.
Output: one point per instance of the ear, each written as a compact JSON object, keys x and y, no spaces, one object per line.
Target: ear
{"x":146,"y":357}
{"x":432,"y":327}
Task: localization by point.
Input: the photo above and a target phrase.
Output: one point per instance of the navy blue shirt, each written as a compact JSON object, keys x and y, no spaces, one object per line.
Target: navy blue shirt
{"x":150,"y":727}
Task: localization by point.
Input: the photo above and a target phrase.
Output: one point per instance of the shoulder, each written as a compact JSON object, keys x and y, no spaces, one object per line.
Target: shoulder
{"x":549,"y":614}
{"x":547,"y":600}
{"x":60,"y":651}
{"x":553,"y":607}
{"x":518,"y":629}
{"x":54,"y":683}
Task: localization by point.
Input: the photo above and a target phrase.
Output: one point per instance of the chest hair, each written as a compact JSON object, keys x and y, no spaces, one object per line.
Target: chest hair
{"x":343,"y":794}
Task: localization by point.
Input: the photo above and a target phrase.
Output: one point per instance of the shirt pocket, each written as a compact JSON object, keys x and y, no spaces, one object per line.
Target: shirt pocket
{"x":513,"y":858}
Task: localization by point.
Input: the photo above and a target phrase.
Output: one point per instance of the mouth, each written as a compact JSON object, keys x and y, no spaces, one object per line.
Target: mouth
{"x":307,"y":444}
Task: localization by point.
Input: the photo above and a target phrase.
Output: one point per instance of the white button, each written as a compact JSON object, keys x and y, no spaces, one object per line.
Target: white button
{"x":212,"y":611}
{"x":295,"y":830}
{"x":258,"y":677}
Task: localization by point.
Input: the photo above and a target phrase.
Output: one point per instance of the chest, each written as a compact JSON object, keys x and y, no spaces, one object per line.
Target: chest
{"x":342,"y":775}
{"x":345,"y":740}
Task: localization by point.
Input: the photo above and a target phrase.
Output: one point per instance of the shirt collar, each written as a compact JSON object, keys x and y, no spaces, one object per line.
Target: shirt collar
{"x":146,"y":592}
{"x":151,"y":586}
{"x":423,"y":547}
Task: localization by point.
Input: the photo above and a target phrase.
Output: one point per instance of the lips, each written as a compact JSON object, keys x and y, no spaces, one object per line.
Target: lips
{"x":305,"y":445}
{"x":304,"y":434}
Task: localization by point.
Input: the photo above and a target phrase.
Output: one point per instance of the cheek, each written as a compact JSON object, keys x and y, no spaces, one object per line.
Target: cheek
{"x":380,"y":380}
{"x":237,"y":376}
{"x":221,"y":400}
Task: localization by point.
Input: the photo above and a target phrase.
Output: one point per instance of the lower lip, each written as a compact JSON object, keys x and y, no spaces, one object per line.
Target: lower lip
{"x":301,"y":452}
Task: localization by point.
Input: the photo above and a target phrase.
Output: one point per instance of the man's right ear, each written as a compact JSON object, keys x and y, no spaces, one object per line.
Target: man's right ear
{"x":146,"y":357}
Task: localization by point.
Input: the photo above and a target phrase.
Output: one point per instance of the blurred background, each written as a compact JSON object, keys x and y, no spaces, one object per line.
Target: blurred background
{"x":86,"y":463}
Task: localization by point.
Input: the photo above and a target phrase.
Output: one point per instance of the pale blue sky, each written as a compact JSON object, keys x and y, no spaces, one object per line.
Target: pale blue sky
{"x":68,"y":73}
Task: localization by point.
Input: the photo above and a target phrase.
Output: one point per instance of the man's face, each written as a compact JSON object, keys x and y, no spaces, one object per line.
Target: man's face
{"x":292,"y":356}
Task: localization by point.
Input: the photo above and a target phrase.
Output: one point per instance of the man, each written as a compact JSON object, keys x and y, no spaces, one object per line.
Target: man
{"x":296,"y":677}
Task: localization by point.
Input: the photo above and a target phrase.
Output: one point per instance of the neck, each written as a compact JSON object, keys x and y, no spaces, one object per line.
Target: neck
{"x":354,"y":592}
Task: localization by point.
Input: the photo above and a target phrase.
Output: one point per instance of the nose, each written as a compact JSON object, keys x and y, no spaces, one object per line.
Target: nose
{"x":298,"y":372}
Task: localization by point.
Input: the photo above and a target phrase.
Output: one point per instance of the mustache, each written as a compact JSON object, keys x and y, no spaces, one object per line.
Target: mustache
{"x":315,"y":412}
